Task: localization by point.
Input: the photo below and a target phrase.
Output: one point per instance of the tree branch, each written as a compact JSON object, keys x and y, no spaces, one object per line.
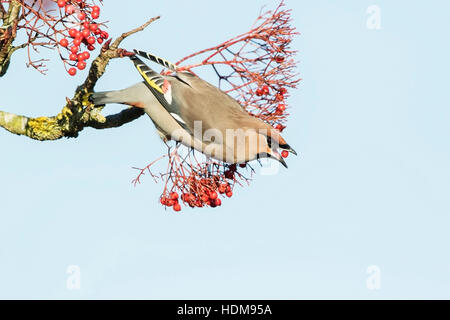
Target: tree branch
{"x":8,"y":34}
{"x":129,"y":33}
{"x":2,"y":11}
{"x":78,"y":113}
{"x":118,"y":119}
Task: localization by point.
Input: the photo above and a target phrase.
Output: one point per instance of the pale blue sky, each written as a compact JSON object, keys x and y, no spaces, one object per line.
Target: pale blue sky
{"x":370,"y":187}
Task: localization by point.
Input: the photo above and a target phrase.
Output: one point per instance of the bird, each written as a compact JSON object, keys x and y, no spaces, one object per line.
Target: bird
{"x":190,"y":110}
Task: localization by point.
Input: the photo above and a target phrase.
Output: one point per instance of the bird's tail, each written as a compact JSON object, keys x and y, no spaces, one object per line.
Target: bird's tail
{"x":99,"y":98}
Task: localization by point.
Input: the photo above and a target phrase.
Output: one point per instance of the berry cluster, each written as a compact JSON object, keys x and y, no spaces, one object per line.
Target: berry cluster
{"x":265,"y":92}
{"x":278,"y":97}
{"x":202,"y":192}
{"x":86,"y":32}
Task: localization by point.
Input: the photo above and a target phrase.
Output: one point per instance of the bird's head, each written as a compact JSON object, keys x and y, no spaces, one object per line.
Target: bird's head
{"x":272,"y":154}
{"x":264,"y":149}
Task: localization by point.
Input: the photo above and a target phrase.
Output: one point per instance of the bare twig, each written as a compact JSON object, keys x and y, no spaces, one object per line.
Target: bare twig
{"x":129,"y":33}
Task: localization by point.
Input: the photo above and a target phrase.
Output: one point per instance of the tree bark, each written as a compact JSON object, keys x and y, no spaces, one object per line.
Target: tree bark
{"x":8,"y":34}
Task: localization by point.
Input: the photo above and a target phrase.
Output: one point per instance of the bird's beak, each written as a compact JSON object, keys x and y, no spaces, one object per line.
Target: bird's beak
{"x":281,"y":160}
{"x":287,"y":148}
{"x":277,"y":156}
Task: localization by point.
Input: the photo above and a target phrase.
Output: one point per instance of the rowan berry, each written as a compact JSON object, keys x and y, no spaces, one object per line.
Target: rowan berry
{"x":72,"y":71}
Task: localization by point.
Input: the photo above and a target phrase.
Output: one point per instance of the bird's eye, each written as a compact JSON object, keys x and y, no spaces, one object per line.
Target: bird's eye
{"x":269,"y":142}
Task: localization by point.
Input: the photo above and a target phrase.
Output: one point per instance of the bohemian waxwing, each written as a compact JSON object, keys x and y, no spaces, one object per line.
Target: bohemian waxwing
{"x":189,"y":110}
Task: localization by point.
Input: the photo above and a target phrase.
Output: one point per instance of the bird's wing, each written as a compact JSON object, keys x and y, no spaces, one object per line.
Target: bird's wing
{"x":161,"y":89}
{"x":201,"y":101}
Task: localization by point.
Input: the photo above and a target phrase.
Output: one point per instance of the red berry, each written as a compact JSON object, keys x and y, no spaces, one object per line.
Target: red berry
{"x":229,"y":194}
{"x":266,"y":90}
{"x":174,"y":196}
{"x":86,"y":25}
{"x":91,"y":40}
{"x":279,"y":97}
{"x":279,"y":59}
{"x":93,"y":27}
{"x":105,"y":35}
{"x":222,"y":188}
{"x":91,"y":47}
{"x":73,"y":32}
{"x":86,"y":33}
{"x":198,"y":204}
{"x":79,"y":35}
{"x":285,"y":154}
{"x":177,"y":207}
{"x":82,"y":16}
{"x":73,"y":57}
{"x":218,"y":202}
{"x":259,"y":92}
{"x":64,"y":42}
{"x":74,"y":49}
{"x":100,"y":40}
{"x":163,"y":201}
{"x":81,"y":65}
{"x":72,"y":71}
{"x":70,"y":9}
{"x":170,"y":202}
{"x":95,"y":14}
{"x":213,"y":195}
{"x":280,"y":127}
{"x":96,"y":8}
{"x":283,"y":90}
{"x":86,"y":55}
{"x":61,"y":3}
{"x":76,"y":42}
{"x":281,"y":107}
